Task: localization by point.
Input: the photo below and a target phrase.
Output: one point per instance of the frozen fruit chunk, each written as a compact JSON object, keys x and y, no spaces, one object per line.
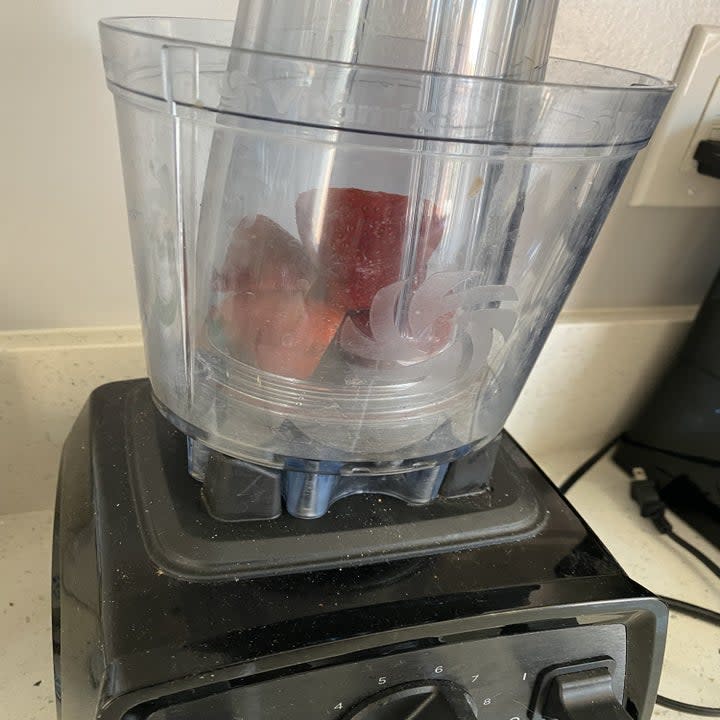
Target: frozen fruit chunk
{"x":244,"y":316}
{"x":360,"y":235}
{"x":300,"y":348}
{"x":280,"y":332}
{"x":264,"y":256}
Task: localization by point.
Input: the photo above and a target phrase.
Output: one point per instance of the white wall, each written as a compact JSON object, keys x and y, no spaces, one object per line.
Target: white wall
{"x":63,"y":230}
{"x":644,"y":256}
{"x":63,"y":235}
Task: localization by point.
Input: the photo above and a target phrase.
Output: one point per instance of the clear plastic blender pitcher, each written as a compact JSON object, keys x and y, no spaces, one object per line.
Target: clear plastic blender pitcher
{"x":352,"y":231}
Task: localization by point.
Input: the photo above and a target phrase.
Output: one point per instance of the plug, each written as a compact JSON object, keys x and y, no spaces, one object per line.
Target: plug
{"x":708,"y":158}
{"x":645,"y":494}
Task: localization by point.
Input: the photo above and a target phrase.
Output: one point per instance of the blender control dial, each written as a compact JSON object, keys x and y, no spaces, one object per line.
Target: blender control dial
{"x":422,"y":700}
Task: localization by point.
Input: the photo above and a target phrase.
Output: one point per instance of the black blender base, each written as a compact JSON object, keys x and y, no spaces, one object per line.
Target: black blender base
{"x":237,"y":491}
{"x":184,"y":540}
{"x":135,"y":642}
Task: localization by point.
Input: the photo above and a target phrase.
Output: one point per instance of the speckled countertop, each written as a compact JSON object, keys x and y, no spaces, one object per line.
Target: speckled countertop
{"x":26,"y":680}
{"x":692,"y":666}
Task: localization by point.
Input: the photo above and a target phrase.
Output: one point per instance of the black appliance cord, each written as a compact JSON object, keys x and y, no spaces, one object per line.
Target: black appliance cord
{"x":694,"y":611}
{"x":585,"y":467}
{"x":651,"y":506}
{"x":701,"y":556}
{"x":687,"y":707}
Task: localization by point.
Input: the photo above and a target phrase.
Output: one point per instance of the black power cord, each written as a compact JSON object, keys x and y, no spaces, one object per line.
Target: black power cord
{"x":585,"y":467}
{"x":704,"y":559}
{"x":694,"y":611}
{"x":645,"y":494}
{"x":687,"y":707}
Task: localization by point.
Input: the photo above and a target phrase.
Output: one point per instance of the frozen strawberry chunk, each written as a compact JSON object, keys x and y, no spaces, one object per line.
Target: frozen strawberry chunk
{"x":280,"y":332}
{"x":244,"y":316}
{"x":300,"y":348}
{"x":264,"y":256}
{"x":359,"y":235}
{"x":267,"y":320}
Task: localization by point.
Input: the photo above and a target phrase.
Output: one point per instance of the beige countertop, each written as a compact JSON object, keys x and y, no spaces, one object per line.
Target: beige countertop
{"x":26,"y":679}
{"x":692,"y":667}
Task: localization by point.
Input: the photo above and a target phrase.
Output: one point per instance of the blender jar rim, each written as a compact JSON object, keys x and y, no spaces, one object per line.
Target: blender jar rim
{"x":125,"y":24}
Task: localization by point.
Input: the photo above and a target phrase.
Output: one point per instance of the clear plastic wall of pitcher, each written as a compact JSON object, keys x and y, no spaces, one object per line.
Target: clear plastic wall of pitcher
{"x":339,"y":257}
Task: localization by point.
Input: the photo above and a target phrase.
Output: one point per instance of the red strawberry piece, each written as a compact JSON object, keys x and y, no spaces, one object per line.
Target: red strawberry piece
{"x":280,"y":332}
{"x":264,"y":256}
{"x":360,"y":235}
{"x":300,"y":348}
{"x":245,"y":315}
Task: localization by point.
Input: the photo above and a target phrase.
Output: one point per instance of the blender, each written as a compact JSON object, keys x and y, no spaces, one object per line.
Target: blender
{"x":354,"y":223}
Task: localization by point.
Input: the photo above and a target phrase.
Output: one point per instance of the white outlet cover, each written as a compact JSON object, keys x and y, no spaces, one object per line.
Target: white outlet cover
{"x":669,"y":176}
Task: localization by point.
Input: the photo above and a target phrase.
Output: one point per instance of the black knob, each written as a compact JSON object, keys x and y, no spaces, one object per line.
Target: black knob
{"x":425,"y":700}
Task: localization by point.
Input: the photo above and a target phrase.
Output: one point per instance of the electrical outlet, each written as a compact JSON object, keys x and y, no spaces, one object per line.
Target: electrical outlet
{"x":669,"y":176}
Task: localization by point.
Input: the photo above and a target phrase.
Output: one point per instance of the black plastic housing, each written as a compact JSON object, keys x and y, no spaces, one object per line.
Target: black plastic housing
{"x":134,"y":642}
{"x":675,"y":438}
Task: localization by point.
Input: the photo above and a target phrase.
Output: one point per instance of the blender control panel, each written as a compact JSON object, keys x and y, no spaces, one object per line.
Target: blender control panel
{"x":494,"y":678}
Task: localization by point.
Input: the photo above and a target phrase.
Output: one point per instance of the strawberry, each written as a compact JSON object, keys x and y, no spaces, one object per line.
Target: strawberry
{"x":264,"y":256}
{"x":280,"y":332}
{"x":302,"y":346}
{"x":360,"y":235}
